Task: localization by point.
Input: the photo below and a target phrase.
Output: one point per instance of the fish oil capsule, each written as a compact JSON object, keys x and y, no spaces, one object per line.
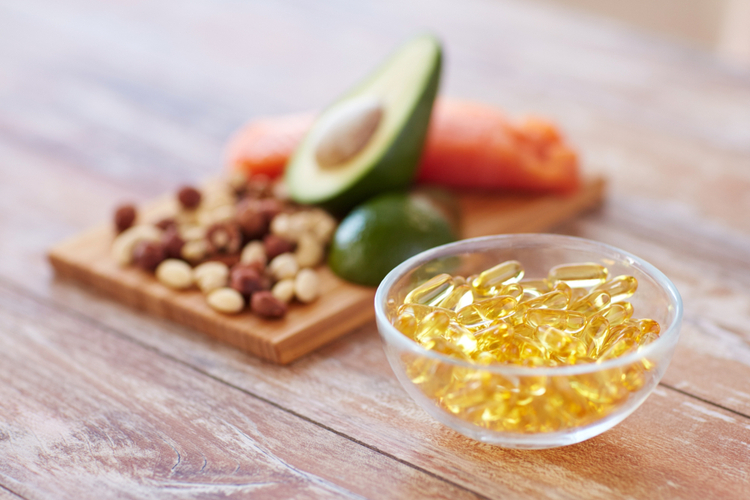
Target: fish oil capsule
{"x":559,"y":343}
{"x":594,"y":334}
{"x":582,"y":275}
{"x":491,"y":280}
{"x":619,"y":333}
{"x":439,"y":344}
{"x":471,"y":318}
{"x":555,"y":299}
{"x":512,"y":290}
{"x":432,"y":291}
{"x":419,"y":311}
{"x":491,"y":337}
{"x":619,"y":348}
{"x":497,"y":307}
{"x":406,"y":324}
{"x":591,"y":303}
{"x":460,"y":297}
{"x":534,"y":288}
{"x":433,"y":324}
{"x":616,"y":314}
{"x":619,"y":288}
{"x":567,"y":321}
{"x":648,"y":326}
{"x":462,"y":337}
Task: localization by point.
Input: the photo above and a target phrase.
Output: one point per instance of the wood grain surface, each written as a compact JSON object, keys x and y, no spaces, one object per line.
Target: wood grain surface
{"x":341,"y":306}
{"x":106,"y":102}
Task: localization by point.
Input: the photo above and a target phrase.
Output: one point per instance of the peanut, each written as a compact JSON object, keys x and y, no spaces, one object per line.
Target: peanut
{"x":284,"y":266}
{"x":175,"y":274}
{"x":306,"y":286}
{"x":254,"y":252}
{"x":226,"y":300}
{"x":309,"y":251}
{"x":284,"y":290}
{"x":211,"y":275}
{"x":194,"y":250}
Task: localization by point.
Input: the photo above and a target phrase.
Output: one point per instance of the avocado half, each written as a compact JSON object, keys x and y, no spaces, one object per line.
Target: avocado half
{"x":376,"y":132}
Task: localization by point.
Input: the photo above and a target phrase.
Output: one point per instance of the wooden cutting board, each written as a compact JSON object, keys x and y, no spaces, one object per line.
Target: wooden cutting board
{"x":341,"y":307}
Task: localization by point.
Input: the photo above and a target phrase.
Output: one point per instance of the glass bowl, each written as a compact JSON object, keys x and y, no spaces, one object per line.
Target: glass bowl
{"x":528,"y":407}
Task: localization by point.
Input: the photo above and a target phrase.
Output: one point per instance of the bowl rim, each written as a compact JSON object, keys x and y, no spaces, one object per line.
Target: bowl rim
{"x":391,"y":334}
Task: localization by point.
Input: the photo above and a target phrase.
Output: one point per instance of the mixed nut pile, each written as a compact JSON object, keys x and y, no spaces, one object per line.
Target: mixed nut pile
{"x":240,"y":241}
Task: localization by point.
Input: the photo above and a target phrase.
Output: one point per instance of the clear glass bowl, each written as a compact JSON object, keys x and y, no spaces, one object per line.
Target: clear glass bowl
{"x":529,"y":407}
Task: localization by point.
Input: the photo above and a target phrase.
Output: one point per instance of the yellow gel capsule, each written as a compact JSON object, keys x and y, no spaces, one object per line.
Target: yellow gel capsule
{"x":432,"y":291}
{"x":491,"y":338}
{"x":491,"y":280}
{"x":439,"y":344}
{"x":568,"y":321}
{"x":559,"y":343}
{"x":462,"y":337}
{"x":512,"y":290}
{"x":555,"y":299}
{"x":460,"y":297}
{"x":517,"y":317}
{"x":592,"y":303}
{"x":581,"y":275}
{"x":619,"y":333}
{"x":434,"y":324}
{"x":619,"y":348}
{"x":619,"y":288}
{"x":534,"y":288}
{"x":471,"y":318}
{"x":459,"y":280}
{"x":406,"y":324}
{"x":417,"y":310}
{"x":497,"y":307}
{"x":649,"y":326}
{"x":647,"y":338}
{"x":594,"y":334}
{"x":617,"y":314}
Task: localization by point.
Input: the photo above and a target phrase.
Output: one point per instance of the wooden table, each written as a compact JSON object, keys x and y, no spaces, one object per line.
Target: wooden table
{"x":102,"y":102}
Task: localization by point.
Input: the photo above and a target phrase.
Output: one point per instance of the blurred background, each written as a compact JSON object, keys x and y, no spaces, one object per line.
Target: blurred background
{"x":721,"y":26}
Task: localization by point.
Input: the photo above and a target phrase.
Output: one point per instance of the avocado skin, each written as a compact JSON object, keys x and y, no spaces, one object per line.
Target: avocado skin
{"x":397,"y":167}
{"x":381,"y":233}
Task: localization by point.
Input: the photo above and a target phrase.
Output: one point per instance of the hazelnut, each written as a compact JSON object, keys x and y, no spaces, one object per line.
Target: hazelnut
{"x":259,"y":186}
{"x":172,"y":243}
{"x":266,"y":305}
{"x":276,"y":245}
{"x":189,"y":197}
{"x":238,"y":182}
{"x":148,"y":254}
{"x":166,"y":223}
{"x":251,"y":219}
{"x":258,"y":266}
{"x":270,"y":208}
{"x":224,"y":237}
{"x":246,"y":280}
{"x":124,"y":217}
{"x":124,"y":243}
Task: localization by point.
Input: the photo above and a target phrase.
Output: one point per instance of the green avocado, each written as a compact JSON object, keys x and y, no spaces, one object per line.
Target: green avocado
{"x":370,"y":140}
{"x":384,"y":231}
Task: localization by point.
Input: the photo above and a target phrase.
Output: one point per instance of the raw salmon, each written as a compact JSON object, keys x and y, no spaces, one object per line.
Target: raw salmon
{"x":469,"y":145}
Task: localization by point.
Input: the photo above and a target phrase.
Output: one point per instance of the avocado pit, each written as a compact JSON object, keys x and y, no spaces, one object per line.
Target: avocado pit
{"x":347,"y":131}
